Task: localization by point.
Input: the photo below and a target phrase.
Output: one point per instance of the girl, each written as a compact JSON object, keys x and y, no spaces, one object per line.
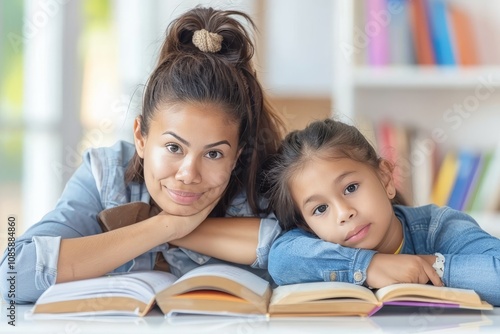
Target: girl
{"x":345,"y":222}
{"x":198,"y":151}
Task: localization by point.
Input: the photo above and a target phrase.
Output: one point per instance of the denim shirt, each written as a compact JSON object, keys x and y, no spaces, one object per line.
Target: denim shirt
{"x":472,"y":256}
{"x":96,"y":185}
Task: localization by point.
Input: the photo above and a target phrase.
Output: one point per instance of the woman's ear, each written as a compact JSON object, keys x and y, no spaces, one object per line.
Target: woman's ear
{"x":387,"y":178}
{"x":237,"y":157}
{"x":139,"y":139}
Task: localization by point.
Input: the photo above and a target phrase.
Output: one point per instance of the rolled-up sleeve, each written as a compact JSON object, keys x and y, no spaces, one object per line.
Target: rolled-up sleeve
{"x":47,"y":255}
{"x":298,"y":257}
{"x":268,"y":232}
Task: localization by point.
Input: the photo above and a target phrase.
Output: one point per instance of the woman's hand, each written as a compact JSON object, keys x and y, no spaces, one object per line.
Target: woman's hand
{"x":387,"y":269}
{"x":183,"y":225}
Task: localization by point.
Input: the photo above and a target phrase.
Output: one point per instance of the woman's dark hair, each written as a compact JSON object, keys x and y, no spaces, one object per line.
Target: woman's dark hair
{"x":327,"y":138}
{"x":226,"y":78}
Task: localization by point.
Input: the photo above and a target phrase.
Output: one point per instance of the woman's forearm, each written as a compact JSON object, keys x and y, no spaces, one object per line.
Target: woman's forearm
{"x":96,"y":255}
{"x":230,"y":239}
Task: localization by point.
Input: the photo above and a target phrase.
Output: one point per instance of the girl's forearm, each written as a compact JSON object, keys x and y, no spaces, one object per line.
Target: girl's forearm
{"x":230,"y":239}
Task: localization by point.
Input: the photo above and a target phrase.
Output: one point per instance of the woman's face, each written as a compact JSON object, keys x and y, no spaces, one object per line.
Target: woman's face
{"x":189,"y":154}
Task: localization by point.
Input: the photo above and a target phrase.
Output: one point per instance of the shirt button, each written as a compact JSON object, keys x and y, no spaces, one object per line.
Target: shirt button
{"x":333,"y":277}
{"x":358,"y":276}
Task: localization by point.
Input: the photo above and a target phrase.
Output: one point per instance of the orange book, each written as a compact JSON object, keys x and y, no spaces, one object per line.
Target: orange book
{"x":465,"y":44}
{"x":421,"y":33}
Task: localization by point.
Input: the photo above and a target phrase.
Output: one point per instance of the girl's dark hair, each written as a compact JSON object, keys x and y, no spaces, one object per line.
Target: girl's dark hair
{"x":226,"y":78}
{"x":327,"y":138}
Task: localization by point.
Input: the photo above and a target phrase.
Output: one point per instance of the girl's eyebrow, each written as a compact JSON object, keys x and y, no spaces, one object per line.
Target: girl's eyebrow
{"x":336,"y":181}
{"x":185,"y":142}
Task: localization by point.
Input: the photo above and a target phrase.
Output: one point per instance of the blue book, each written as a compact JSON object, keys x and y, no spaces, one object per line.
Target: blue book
{"x":441,"y":32}
{"x":468,"y":163}
{"x":401,"y":50}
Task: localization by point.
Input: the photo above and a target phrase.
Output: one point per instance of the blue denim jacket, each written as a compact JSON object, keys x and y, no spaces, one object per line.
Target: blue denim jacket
{"x":472,"y":256}
{"x":96,"y":185}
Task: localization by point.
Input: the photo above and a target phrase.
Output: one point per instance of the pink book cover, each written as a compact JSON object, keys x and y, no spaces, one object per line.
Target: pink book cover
{"x":376,"y":28}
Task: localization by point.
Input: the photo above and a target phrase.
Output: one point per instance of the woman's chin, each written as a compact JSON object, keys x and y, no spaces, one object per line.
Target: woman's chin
{"x":180,"y":210}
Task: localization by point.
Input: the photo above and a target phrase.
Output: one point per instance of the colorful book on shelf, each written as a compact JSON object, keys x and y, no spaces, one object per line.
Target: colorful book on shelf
{"x":440,"y":32}
{"x":477,"y":178}
{"x":488,"y":187}
{"x":443,"y":183}
{"x":422,"y":41}
{"x":393,"y":144}
{"x":378,"y":46}
{"x":468,"y":162}
{"x":401,"y":50}
{"x":463,"y":39}
{"x":423,"y":154}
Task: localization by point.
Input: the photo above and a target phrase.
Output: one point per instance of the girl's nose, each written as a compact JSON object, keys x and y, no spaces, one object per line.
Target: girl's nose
{"x":345,"y":212}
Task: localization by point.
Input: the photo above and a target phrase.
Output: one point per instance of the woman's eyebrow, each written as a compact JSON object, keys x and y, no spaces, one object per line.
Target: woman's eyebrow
{"x":185,"y":142}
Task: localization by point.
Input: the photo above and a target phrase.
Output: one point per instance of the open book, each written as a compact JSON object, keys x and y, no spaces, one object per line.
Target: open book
{"x":222,"y":289}
{"x":345,"y":299}
{"x":209,"y":289}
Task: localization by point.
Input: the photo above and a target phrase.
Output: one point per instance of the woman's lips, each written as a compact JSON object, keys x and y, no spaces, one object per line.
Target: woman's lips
{"x":184,"y":197}
{"x":358,"y":233}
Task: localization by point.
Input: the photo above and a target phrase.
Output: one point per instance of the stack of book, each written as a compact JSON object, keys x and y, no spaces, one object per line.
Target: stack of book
{"x":421,"y":32}
{"x":462,"y":179}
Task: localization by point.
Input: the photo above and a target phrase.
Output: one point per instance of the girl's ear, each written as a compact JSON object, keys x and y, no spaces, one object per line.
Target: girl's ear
{"x":139,"y":139}
{"x":387,"y":178}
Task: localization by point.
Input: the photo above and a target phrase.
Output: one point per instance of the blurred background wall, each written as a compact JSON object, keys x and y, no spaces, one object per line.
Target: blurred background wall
{"x":72,"y":73}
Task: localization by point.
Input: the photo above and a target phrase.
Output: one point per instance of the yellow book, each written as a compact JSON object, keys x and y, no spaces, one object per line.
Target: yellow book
{"x":445,"y":179}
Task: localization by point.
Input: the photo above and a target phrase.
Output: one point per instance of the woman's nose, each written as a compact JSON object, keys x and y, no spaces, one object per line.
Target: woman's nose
{"x":188,"y":172}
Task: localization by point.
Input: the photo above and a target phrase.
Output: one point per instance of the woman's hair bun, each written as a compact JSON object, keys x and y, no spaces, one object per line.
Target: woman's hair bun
{"x":207,"y":41}
{"x":208,"y":30}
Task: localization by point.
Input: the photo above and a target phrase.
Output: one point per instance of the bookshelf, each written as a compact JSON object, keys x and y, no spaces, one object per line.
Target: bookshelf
{"x":456,"y":106}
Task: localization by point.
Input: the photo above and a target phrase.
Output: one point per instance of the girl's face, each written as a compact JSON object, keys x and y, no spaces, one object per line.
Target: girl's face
{"x":189,"y":154}
{"x":347,"y":202}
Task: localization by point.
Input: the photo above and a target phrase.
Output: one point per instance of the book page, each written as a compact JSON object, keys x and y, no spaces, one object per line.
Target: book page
{"x":411,"y":290}
{"x":138,"y":285}
{"x":304,"y":292}
{"x":244,"y":277}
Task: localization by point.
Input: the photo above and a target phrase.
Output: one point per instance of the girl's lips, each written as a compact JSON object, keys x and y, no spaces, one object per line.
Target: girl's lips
{"x":358,"y":233}
{"x":183,"y":197}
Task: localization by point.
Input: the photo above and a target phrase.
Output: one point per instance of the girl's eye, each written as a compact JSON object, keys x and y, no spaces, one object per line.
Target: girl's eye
{"x":351,"y":188}
{"x":174,"y":148}
{"x":214,"y":155}
{"x":320,"y":209}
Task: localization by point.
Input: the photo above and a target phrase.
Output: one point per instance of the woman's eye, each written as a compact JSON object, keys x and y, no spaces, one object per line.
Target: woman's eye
{"x":351,"y":188}
{"x":214,"y":155}
{"x":173,"y":148}
{"x":320,"y":209}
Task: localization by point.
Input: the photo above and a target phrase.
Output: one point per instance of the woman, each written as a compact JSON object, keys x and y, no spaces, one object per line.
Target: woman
{"x":200,"y":141}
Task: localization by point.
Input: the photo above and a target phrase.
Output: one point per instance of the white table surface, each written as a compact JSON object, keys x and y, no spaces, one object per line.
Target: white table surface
{"x":408,"y":320}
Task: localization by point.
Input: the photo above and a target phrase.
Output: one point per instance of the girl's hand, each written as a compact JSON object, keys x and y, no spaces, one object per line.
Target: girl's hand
{"x":387,"y":269}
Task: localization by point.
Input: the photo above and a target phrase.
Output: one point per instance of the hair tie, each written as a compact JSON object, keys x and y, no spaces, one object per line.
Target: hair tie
{"x":207,"y":41}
